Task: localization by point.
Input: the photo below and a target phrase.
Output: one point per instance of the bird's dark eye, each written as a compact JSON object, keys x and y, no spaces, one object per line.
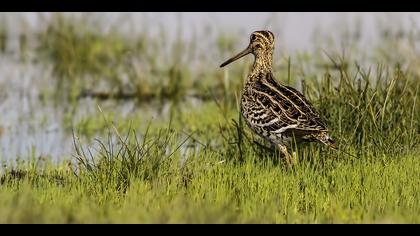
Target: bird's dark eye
{"x":258,"y":46}
{"x":253,"y":37}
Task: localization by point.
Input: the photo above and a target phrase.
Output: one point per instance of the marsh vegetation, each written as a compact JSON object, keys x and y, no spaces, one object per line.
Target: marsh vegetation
{"x":148,"y":130}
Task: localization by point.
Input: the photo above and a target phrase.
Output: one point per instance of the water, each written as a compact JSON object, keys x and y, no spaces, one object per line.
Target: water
{"x":294,"y":30}
{"x":28,"y":123}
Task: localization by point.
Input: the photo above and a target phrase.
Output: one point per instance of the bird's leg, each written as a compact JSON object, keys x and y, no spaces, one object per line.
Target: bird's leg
{"x":294,"y":156}
{"x":288,"y":157}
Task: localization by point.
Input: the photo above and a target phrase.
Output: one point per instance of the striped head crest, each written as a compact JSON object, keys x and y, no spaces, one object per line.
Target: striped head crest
{"x":261,"y":43}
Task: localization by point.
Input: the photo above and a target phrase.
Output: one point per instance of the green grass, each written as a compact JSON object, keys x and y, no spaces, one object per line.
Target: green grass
{"x":196,"y":162}
{"x":326,"y":189}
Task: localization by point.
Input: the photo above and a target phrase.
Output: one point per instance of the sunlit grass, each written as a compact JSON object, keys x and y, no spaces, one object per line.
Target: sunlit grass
{"x":184,"y":156}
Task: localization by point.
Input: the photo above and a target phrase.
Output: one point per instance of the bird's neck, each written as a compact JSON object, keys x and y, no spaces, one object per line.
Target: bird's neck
{"x":262,"y":65}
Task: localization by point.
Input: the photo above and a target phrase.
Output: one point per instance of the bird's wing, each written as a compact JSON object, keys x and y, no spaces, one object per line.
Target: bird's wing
{"x":311,"y":118}
{"x":280,"y":107}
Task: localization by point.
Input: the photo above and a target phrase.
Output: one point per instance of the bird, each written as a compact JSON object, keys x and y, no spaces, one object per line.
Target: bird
{"x":274,"y":111}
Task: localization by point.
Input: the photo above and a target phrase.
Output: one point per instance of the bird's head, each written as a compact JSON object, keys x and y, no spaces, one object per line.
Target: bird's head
{"x":261,"y":42}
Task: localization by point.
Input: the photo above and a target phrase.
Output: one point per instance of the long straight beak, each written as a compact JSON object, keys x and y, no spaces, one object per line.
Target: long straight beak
{"x":241,"y":54}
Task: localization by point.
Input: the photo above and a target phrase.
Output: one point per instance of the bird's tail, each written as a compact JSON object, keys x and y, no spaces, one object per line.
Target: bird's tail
{"x":326,"y":139}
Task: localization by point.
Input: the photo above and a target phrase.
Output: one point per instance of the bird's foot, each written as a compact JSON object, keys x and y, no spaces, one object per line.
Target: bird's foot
{"x":289,"y":158}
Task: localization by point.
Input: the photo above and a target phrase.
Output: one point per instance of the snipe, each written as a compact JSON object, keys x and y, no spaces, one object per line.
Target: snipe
{"x":278,"y":113}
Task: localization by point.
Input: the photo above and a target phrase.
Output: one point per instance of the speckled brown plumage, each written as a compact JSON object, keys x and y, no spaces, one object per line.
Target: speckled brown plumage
{"x":274,"y":111}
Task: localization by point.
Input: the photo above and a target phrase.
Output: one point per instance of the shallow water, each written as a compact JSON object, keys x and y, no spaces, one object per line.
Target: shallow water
{"x":33,"y":127}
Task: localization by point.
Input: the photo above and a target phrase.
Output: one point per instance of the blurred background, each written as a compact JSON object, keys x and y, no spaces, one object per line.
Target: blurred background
{"x":148,"y":69}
